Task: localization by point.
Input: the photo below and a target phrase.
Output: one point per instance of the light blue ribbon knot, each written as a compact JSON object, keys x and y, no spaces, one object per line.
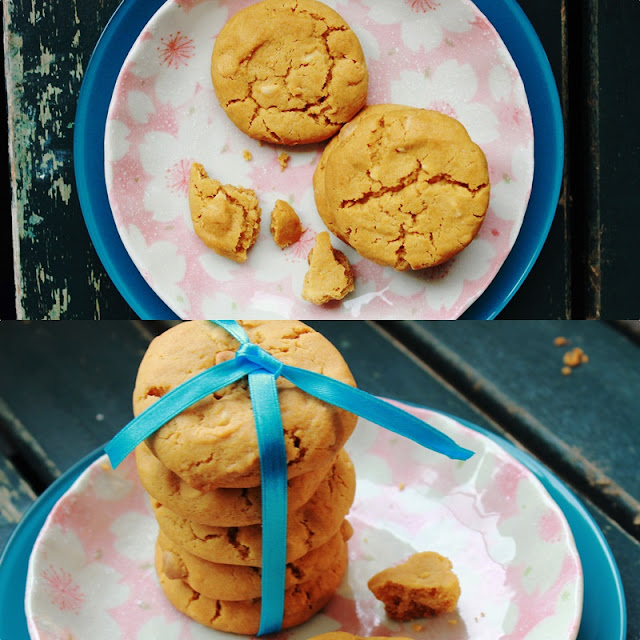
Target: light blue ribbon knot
{"x":263,"y":369}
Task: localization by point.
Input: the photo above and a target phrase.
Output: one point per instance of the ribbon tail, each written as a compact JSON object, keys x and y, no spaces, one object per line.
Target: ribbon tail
{"x":378,"y":411}
{"x":173,"y":403}
{"x":273,"y":474}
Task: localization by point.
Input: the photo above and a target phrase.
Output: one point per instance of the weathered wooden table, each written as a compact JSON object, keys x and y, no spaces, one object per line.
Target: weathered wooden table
{"x":65,"y":389}
{"x":587,"y":268}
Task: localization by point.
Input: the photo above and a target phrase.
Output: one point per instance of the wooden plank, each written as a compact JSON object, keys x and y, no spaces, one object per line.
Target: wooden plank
{"x":15,"y":498}
{"x":48,"y":48}
{"x":616,"y":159}
{"x":69,"y":383}
{"x":512,"y":371}
{"x":546,"y":293}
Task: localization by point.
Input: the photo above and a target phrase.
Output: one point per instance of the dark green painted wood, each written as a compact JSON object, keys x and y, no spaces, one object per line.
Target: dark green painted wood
{"x":48,"y":49}
{"x":617,"y":157}
{"x":586,"y":426}
{"x":15,"y":498}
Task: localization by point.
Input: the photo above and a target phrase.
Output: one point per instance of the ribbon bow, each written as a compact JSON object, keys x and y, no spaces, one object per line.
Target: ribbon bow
{"x":263,"y":370}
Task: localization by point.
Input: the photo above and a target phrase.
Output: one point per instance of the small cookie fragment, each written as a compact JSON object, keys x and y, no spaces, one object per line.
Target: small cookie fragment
{"x":247,"y":155}
{"x":225,"y":218}
{"x":283,"y":160}
{"x":285,"y":225}
{"x":329,"y":276}
{"x":423,"y":586}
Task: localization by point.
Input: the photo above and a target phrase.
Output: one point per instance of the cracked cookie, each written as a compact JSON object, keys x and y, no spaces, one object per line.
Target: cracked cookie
{"x":309,"y":527}
{"x":329,"y":276}
{"x":235,"y":582}
{"x":423,"y":586}
{"x":285,"y":225}
{"x":405,"y":187}
{"x":213,"y":443}
{"x":301,"y":601}
{"x":225,"y":218}
{"x":289,"y":71}
{"x":218,"y":507}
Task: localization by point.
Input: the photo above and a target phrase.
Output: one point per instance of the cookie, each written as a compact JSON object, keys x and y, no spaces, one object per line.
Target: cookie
{"x":289,"y":71}
{"x":405,"y":187}
{"x":213,"y":443}
{"x":329,"y":276}
{"x":234,"y":582}
{"x":308,"y":528}
{"x":285,"y":225}
{"x":225,"y":218}
{"x":301,"y":602}
{"x":423,"y":586}
{"x":218,"y":507}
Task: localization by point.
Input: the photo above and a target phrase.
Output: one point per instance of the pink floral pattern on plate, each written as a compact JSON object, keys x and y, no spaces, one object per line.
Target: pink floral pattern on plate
{"x":91,"y":575}
{"x":164,"y":114}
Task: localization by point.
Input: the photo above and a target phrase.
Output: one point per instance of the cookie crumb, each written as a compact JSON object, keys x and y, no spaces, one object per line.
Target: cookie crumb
{"x":402,"y":486}
{"x":423,"y":586}
{"x":417,"y":627}
{"x":574,"y":357}
{"x":285,"y":225}
{"x":247,"y":155}
{"x":283,"y":160}
{"x":566,"y":371}
{"x":453,"y":621}
{"x":329,"y":276}
{"x":226,"y":218}
{"x":560,"y":341}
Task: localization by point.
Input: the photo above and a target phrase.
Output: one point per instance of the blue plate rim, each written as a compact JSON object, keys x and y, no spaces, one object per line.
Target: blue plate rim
{"x":587,"y":534}
{"x":88,"y":150}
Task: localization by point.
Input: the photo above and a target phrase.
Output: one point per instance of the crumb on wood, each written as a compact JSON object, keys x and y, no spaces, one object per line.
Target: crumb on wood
{"x":574,"y":357}
{"x":247,"y":155}
{"x":566,"y":371}
{"x":283,"y":159}
{"x":560,"y":341}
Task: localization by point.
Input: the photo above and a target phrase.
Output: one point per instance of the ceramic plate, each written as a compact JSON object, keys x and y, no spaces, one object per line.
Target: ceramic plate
{"x":90,"y":572}
{"x":164,"y":115}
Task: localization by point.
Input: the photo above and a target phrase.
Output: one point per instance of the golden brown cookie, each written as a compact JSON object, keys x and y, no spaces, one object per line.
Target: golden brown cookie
{"x":285,"y":225}
{"x":423,"y":586}
{"x":301,"y":601}
{"x":329,"y":276}
{"x":405,"y":187}
{"x":308,"y":528}
{"x":218,"y":507}
{"x":226,"y":218}
{"x":213,"y":443}
{"x":235,"y":582}
{"x":289,"y":71}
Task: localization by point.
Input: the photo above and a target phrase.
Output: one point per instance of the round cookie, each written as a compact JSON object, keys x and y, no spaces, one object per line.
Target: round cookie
{"x":235,"y":582}
{"x":289,"y":71}
{"x":213,"y":443}
{"x":301,"y":602}
{"x":405,"y":187}
{"x":308,"y":528}
{"x":218,"y":507}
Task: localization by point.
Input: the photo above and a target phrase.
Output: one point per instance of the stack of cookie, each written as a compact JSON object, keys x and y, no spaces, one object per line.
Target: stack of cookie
{"x":202,"y":472}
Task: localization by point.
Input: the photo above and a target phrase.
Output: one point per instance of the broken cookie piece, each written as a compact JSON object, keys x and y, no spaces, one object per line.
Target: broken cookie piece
{"x":226,"y":218}
{"x":329,"y":276}
{"x":285,"y":225}
{"x":423,"y":586}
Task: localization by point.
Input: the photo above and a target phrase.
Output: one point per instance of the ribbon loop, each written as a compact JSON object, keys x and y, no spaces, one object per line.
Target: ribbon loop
{"x":257,"y":355}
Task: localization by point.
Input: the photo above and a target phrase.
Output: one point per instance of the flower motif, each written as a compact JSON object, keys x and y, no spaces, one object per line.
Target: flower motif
{"x":176,"y":50}
{"x":161,"y":259}
{"x":177,"y":177}
{"x":510,"y":193}
{"x":65,"y":580}
{"x":63,"y":591}
{"x":424,"y":23}
{"x":160,"y":627}
{"x":451,"y":89}
{"x":471,"y":264}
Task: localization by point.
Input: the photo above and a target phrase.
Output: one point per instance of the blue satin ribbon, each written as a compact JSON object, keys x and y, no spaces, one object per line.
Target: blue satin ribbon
{"x":263,"y":370}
